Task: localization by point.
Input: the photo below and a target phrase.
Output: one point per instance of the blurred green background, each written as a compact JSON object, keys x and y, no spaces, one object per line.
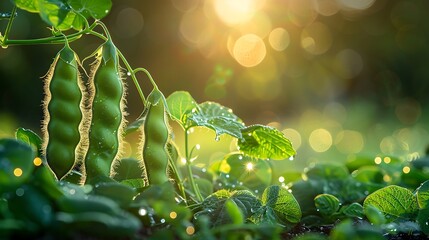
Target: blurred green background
{"x":341,"y":78}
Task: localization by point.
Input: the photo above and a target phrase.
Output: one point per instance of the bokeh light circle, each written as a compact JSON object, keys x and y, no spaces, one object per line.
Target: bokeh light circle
{"x":279,"y":39}
{"x":249,"y":50}
{"x":356,"y":4}
{"x":320,"y":140}
{"x":129,"y":23}
{"x":316,"y":38}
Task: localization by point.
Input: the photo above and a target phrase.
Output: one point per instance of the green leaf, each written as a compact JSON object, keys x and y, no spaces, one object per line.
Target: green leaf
{"x":423,"y":195}
{"x":56,"y":13}
{"x":27,"y":5}
{"x":29,"y":137}
{"x":180,"y":103}
{"x":282,"y":203}
{"x":423,"y":220}
{"x":353,"y":210}
{"x":265,"y":142}
{"x":97,"y":9}
{"x":16,"y":162}
{"x":234,"y":212}
{"x":374,"y":215}
{"x":217,"y":117}
{"x":134,"y":126}
{"x":396,"y":203}
{"x":120,"y":193}
{"x":327,"y":204}
{"x":30,"y":204}
{"x":348,"y":230}
{"x":214,"y":206}
{"x":101,"y":225}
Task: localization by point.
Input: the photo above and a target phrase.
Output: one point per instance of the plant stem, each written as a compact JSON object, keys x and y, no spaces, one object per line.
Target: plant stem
{"x":188,"y":165}
{"x":9,"y":26}
{"x":148,"y":75}
{"x":178,"y":178}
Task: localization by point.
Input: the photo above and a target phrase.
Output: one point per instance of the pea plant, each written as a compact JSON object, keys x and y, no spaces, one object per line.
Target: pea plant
{"x":75,"y":183}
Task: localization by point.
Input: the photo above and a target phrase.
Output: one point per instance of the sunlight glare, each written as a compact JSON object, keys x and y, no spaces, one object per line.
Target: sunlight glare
{"x":235,"y":12}
{"x":249,"y":166}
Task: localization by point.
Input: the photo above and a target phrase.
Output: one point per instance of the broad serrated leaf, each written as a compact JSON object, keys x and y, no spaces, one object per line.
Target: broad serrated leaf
{"x":265,"y":142}
{"x":97,"y":9}
{"x":27,"y":5}
{"x":423,"y":194}
{"x":215,"y":205}
{"x":282,"y":203}
{"x":56,"y":13}
{"x":29,"y":137}
{"x":326,"y":204}
{"x":180,"y":103}
{"x":395,"y":202}
{"x":216,"y":117}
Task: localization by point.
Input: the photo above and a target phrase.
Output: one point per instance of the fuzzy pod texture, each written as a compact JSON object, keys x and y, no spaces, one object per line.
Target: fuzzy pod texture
{"x":106,"y":110}
{"x":63,"y":115}
{"x":156,"y":135}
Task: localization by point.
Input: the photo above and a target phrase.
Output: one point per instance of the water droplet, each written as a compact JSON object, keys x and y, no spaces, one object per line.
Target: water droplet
{"x":240,"y":157}
{"x":291,"y":158}
{"x":233,"y":185}
{"x":227,"y":175}
{"x":162,"y":220}
{"x":220,"y":184}
{"x":142,"y":212}
{"x":128,"y":74}
{"x":217,"y":138}
{"x":203,"y":170}
{"x":256,"y":191}
{"x":72,"y":191}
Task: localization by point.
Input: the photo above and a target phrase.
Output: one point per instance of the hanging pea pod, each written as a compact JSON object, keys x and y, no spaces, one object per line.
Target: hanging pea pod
{"x":63,"y":115}
{"x":156,"y":134}
{"x":106,"y":110}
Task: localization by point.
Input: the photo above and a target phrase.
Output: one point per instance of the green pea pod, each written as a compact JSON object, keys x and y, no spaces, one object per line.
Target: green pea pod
{"x":63,"y":115}
{"x":156,"y":133}
{"x":106,"y":113}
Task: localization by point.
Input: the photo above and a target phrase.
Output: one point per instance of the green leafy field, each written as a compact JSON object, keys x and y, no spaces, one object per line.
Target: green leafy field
{"x":74,"y":183}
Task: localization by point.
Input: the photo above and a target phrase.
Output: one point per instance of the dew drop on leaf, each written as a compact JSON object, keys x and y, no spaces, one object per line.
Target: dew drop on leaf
{"x":142,"y":212}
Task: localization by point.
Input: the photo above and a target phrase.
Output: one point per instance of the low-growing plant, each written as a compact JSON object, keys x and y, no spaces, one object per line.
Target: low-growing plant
{"x":74,"y":184}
